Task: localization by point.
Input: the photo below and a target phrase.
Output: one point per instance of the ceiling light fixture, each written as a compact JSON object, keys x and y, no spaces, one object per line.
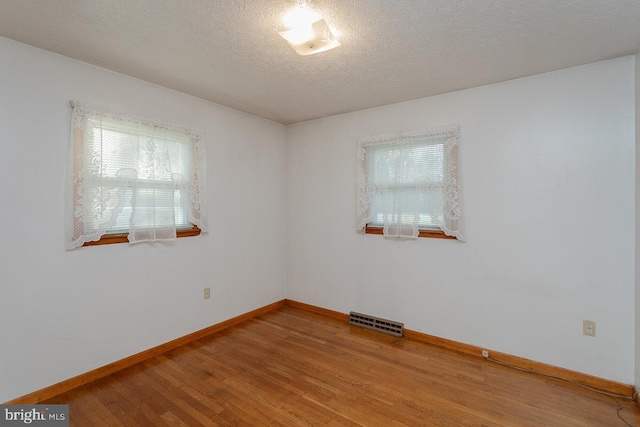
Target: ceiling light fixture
{"x":308,"y":33}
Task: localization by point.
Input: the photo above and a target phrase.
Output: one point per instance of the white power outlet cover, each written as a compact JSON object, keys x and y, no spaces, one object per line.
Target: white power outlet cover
{"x":589,"y":328}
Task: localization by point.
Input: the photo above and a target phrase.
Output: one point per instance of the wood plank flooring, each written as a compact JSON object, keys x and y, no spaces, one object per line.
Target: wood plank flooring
{"x":294,"y":368}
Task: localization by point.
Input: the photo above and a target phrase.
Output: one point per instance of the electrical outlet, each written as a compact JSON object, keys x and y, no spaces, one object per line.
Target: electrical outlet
{"x":485,"y":353}
{"x":589,"y":328}
{"x":207,"y":293}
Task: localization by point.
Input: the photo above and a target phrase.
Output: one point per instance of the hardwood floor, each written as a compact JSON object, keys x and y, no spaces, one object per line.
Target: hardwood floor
{"x":294,"y":368}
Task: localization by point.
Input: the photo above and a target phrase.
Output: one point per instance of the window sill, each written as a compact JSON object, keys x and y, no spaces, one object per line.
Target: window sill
{"x":109,"y":239}
{"x":434,"y":234}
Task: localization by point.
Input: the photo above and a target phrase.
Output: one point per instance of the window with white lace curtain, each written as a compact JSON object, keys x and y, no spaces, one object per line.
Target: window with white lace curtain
{"x":407,"y":184}
{"x":131,"y":178}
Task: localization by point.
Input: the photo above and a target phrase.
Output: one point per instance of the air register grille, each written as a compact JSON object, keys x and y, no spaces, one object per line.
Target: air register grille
{"x":382,"y":325}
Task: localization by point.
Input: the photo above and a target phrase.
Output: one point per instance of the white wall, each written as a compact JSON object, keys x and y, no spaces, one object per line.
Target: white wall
{"x":548,"y":177}
{"x":548,"y":173}
{"x":637,"y":251}
{"x":64,"y":313}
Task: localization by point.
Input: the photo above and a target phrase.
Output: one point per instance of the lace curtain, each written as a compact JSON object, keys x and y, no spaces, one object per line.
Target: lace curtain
{"x":130,"y":174}
{"x":409,"y":181}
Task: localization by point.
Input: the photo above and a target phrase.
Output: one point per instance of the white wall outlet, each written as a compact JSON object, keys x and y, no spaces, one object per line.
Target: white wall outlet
{"x":589,"y":328}
{"x":207,"y":293}
{"x":485,"y":353}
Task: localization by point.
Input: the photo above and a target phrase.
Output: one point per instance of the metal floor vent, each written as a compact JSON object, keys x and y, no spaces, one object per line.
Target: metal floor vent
{"x":383,"y":325}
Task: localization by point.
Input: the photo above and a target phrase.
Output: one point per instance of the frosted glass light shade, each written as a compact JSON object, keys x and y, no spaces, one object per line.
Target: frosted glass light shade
{"x":310,"y":39}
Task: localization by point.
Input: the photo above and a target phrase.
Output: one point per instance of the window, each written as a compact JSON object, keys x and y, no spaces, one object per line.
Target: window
{"x":132,"y":176}
{"x":408,"y":184}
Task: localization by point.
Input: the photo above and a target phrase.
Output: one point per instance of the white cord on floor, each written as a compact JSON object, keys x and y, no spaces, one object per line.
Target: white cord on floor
{"x":611,"y":395}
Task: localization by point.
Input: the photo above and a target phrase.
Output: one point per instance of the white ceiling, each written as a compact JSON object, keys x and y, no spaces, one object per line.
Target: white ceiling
{"x":229,"y":51}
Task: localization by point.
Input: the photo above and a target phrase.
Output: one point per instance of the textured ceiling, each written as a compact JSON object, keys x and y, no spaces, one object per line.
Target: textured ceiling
{"x":229,"y":51}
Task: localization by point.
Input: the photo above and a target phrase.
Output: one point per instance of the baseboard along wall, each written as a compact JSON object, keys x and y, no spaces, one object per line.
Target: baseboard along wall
{"x":520,"y":362}
{"x":103,"y":371}
{"x":603,"y":384}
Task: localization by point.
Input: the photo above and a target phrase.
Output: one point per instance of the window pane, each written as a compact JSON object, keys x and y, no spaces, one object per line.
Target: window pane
{"x":122,"y":221}
{"x":409,"y":180}
{"x":119,"y":153}
{"x":396,"y":164}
